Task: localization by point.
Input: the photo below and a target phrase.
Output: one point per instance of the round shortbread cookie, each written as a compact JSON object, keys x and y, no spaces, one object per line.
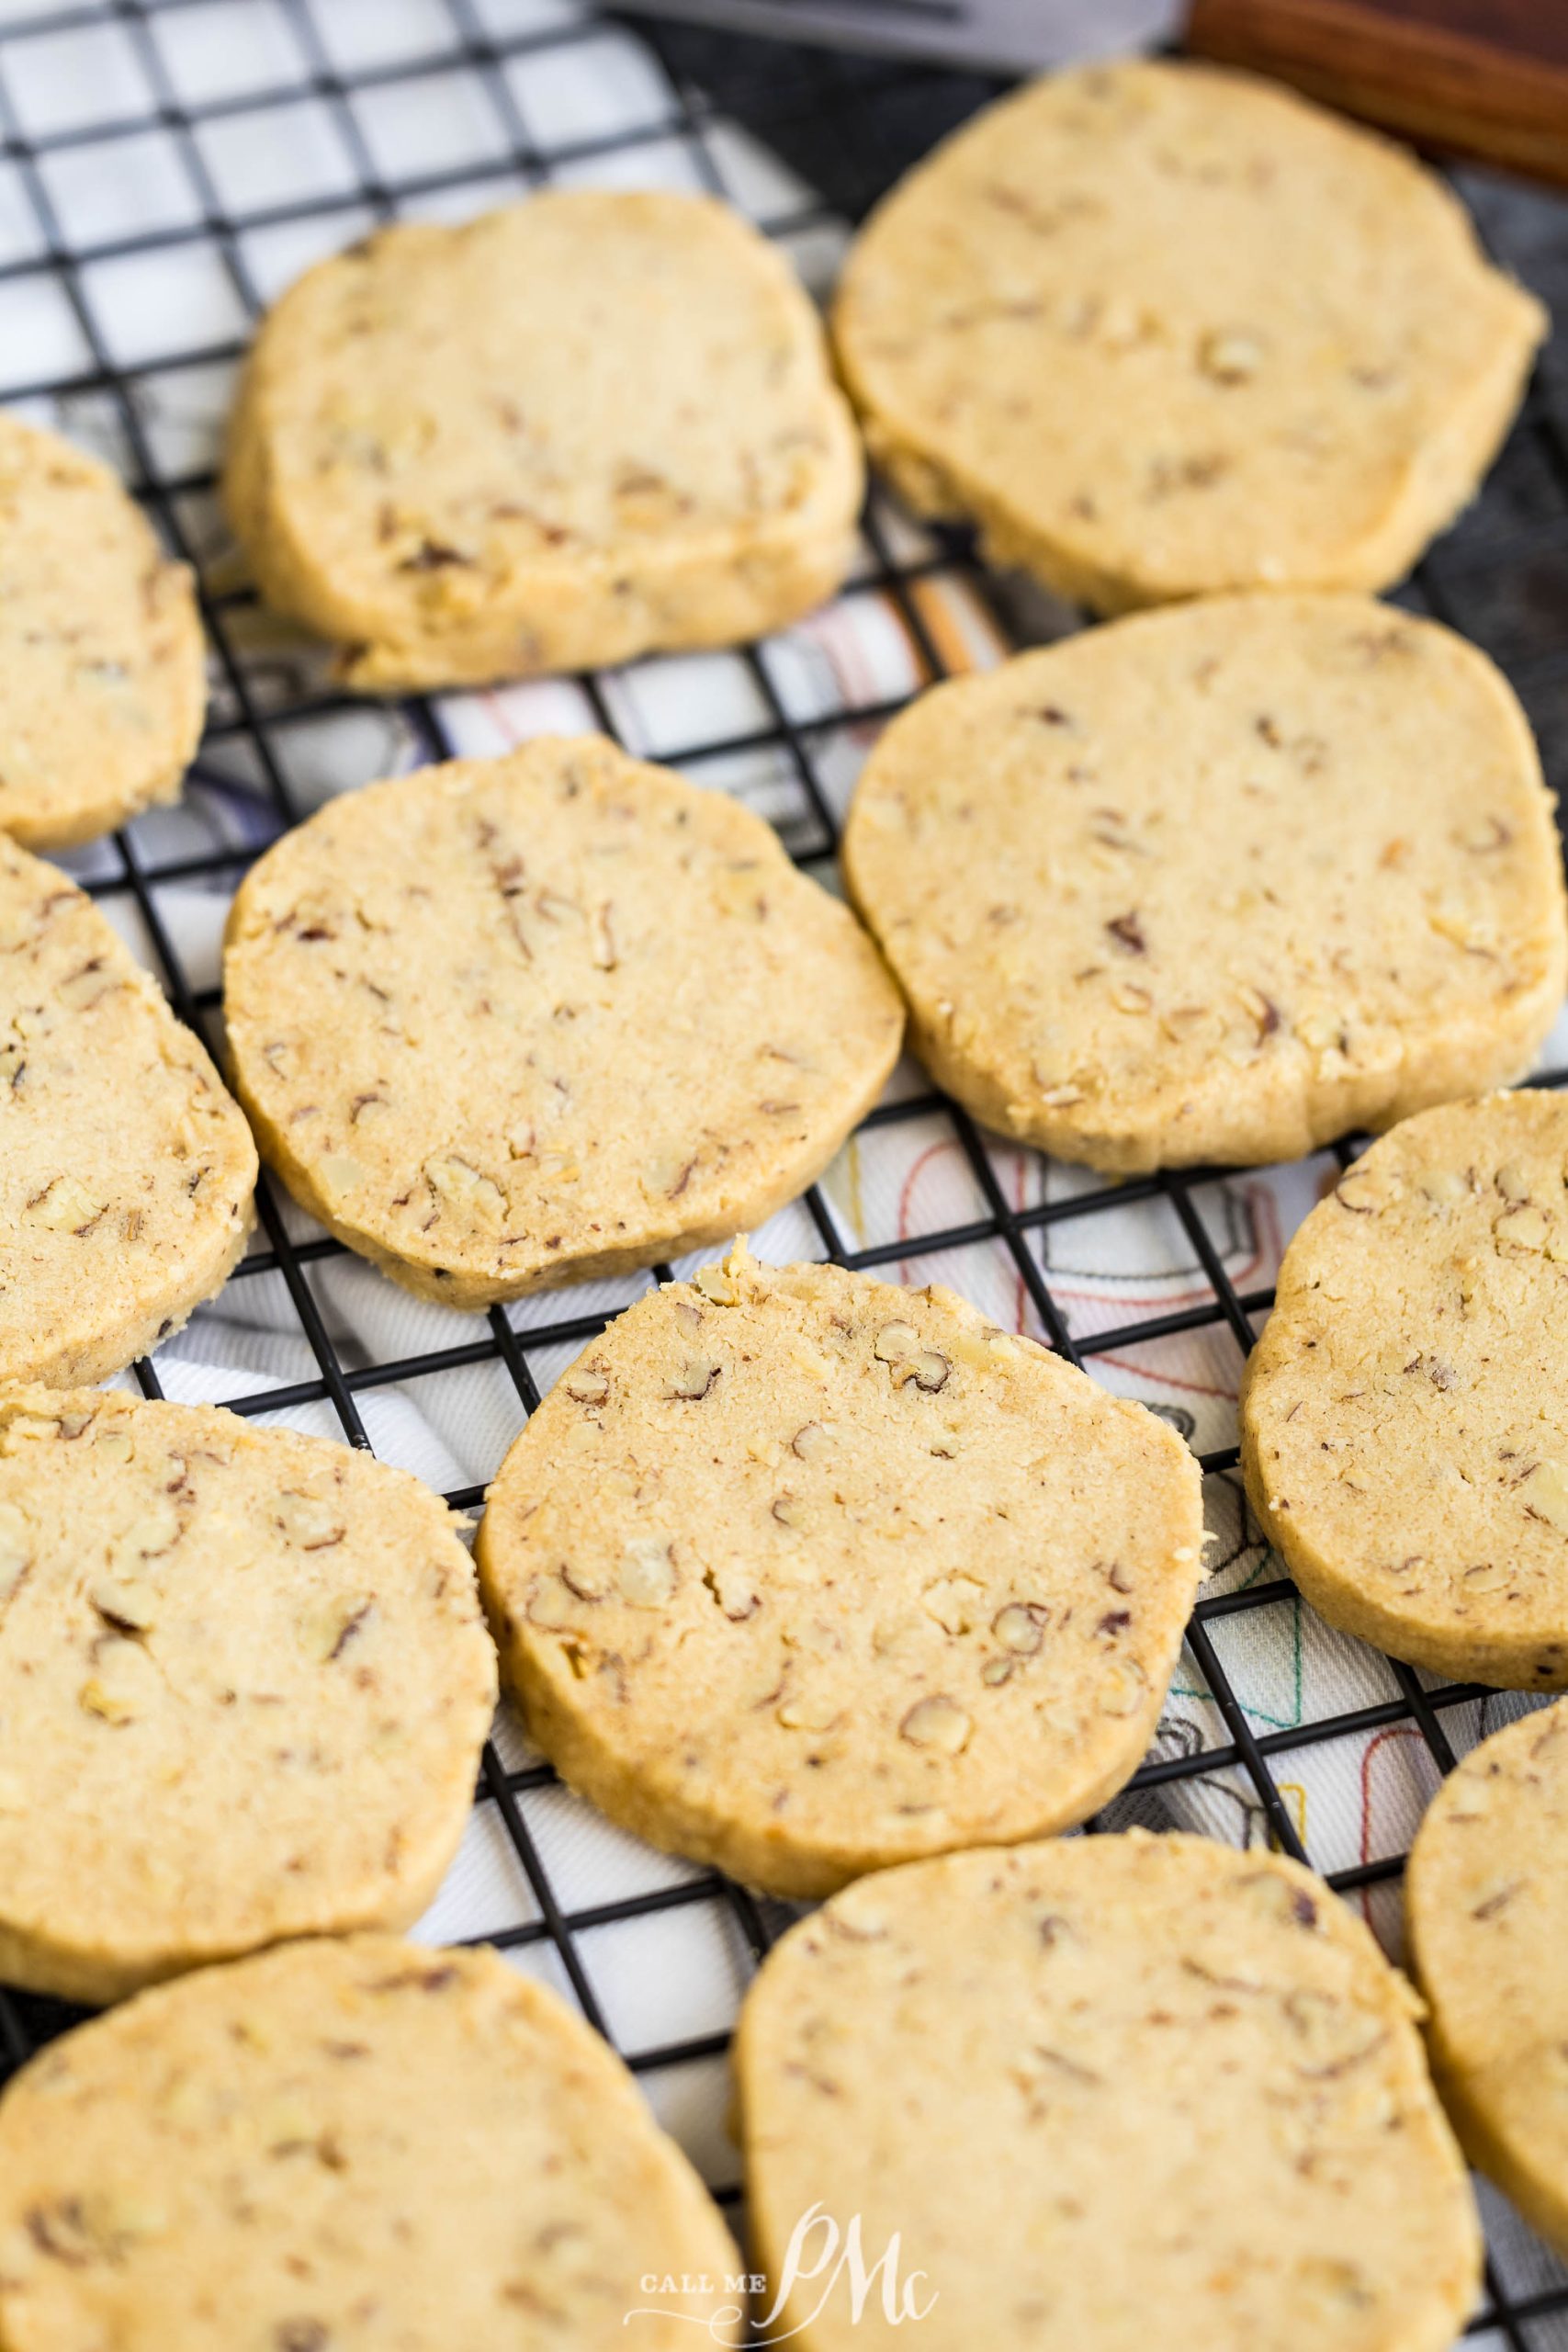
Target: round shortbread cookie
{"x":1486,"y":1902}
{"x":512,"y":1021}
{"x":583,"y":427}
{"x":801,"y":1574}
{"x":1217,"y":883}
{"x":126,"y":1172}
{"x":361,"y":2144}
{"x":1405,"y":1416}
{"x":1163,"y":329}
{"x":102,"y":679}
{"x":1097,"y":2093}
{"x":243,"y":1687}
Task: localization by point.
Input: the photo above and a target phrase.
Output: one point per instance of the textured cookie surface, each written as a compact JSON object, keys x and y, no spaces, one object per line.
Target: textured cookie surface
{"x":244,"y":1684}
{"x":126,"y":1172}
{"x":566,"y":432}
{"x":1191,"y":2067}
{"x":1163,"y":329}
{"x":1486,"y":1898}
{"x":101,"y":680}
{"x":1404,"y":1418}
{"x":510,"y":1022}
{"x":804,"y":1574}
{"x":358,"y":2144}
{"x":1217,"y":883}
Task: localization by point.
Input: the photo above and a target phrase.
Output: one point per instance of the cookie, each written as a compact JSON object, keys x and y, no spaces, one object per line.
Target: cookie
{"x":1097,"y":2092}
{"x":102,"y":669}
{"x":801,"y":1574}
{"x":578,"y":429}
{"x":1217,"y":883}
{"x":1405,"y":1416}
{"x":1163,"y":329}
{"x":126,"y":1172}
{"x":243,"y":1687}
{"x":358,"y":2144}
{"x":1486,"y":1902}
{"x":512,"y":1021}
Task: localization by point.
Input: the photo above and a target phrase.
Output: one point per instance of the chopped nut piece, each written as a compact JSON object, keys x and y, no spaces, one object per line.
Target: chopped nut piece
{"x":646,"y":1574}
{"x":129,"y":1606}
{"x":589,"y":1578}
{"x":896,"y":1341}
{"x":66,"y":1206}
{"x":1231,"y":355}
{"x":339,"y":1173}
{"x":549,"y":1604}
{"x":1365,"y":1191}
{"x":1021,"y":1626}
{"x":97,"y":1700}
{"x":470,"y":1194}
{"x":810,"y":1711}
{"x":1524,"y":1227}
{"x":1444,"y":1185}
{"x":697,"y":1377}
{"x":147,"y":1538}
{"x":954,"y":1602}
{"x":313,"y":1521}
{"x":938,"y":1722}
{"x":588,"y":1386}
{"x":1123,"y":1688}
{"x":715,"y":1286}
{"x":1546,"y":1496}
{"x":125,"y":1684}
{"x":84,"y":989}
{"x":330,"y":1629}
{"x":733,"y":1589}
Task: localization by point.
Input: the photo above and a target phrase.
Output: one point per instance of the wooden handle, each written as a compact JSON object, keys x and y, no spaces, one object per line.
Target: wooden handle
{"x":1478,"y":77}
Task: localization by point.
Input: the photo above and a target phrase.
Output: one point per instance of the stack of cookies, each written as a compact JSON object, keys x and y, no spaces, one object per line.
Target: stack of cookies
{"x":830,"y":1584}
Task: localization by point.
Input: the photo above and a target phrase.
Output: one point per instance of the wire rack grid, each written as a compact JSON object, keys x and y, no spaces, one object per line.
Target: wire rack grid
{"x":222,"y":144}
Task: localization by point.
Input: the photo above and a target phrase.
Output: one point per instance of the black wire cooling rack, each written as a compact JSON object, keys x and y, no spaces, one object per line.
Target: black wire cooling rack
{"x":848,"y":126}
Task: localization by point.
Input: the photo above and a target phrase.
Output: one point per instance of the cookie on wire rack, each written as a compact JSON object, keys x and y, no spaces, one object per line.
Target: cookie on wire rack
{"x":1165,"y":330}
{"x":358,"y":2144}
{"x":578,"y":429}
{"x":127,"y":1174}
{"x":243,"y":1687}
{"x":1217,"y":883}
{"x":509,"y":1023}
{"x":102,"y":680}
{"x":1486,"y":1904}
{"x":803,"y":1574}
{"x":1404,"y":1424}
{"x":1195,"y":2073}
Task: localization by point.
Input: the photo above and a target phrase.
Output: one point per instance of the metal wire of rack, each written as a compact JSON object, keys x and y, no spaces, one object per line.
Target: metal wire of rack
{"x":1501,"y":577}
